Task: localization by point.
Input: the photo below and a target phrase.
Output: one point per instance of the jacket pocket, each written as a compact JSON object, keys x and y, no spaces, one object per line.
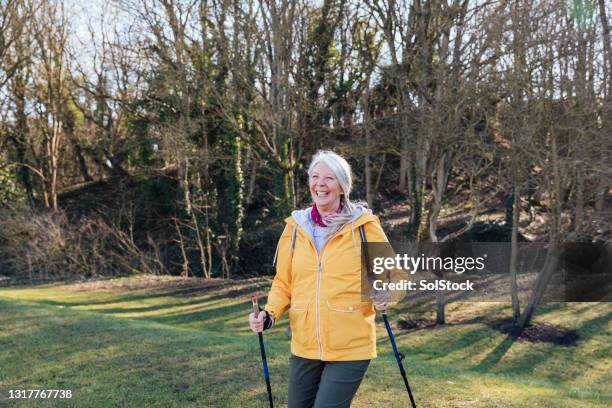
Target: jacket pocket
{"x":348,"y":327}
{"x":301,"y":332}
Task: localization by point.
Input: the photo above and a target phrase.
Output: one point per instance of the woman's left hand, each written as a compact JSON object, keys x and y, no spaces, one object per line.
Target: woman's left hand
{"x":381,"y":300}
{"x":381,"y":305}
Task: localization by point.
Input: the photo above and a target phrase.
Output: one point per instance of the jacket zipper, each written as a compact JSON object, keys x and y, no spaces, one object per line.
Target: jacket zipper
{"x":319,"y":272}
{"x":318,"y":313}
{"x":318,"y":309}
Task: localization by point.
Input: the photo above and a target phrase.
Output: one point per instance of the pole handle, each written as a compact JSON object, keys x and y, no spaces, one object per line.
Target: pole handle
{"x":255,"y":305}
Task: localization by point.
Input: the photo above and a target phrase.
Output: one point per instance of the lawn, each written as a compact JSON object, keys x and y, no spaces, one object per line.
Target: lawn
{"x":161,"y":341}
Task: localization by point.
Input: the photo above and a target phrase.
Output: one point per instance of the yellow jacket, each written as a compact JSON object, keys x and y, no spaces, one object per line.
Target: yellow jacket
{"x":322,"y":291}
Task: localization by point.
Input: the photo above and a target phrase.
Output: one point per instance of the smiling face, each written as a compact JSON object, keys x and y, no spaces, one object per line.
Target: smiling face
{"x":325,"y":188}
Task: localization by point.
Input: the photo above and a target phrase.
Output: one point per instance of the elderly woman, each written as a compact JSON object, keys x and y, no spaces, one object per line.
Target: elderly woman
{"x":318,"y":279}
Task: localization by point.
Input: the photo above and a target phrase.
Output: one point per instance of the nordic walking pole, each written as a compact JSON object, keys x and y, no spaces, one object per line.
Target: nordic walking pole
{"x":264,"y":361}
{"x":398,"y":357}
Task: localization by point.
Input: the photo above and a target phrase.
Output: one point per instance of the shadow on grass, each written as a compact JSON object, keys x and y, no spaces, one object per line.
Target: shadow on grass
{"x":217,"y":317}
{"x":149,"y":295}
{"x":444,"y":343}
{"x":448,"y":342}
{"x":124,"y":359}
{"x":495,"y":355}
{"x":591,"y":327}
{"x":530,"y":360}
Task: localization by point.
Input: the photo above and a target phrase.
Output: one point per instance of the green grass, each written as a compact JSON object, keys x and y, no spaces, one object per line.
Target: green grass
{"x":147,"y":341}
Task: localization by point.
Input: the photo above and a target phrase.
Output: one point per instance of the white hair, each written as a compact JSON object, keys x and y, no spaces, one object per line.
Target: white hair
{"x":342,"y":170}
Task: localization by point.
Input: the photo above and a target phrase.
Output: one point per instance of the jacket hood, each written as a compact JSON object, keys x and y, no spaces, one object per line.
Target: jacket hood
{"x":302,"y":217}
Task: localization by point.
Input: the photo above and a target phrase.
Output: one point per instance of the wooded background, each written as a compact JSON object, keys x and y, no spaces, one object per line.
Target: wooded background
{"x":173,"y":136}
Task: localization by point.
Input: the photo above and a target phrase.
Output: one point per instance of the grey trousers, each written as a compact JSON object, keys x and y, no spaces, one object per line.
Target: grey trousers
{"x":324,"y":384}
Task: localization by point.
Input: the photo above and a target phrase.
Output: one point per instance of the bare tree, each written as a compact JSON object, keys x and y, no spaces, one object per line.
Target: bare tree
{"x":51,"y":91}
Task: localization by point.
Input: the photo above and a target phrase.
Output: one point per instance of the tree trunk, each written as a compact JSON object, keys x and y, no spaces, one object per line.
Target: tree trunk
{"x":578,"y":217}
{"x":368,"y":150}
{"x":516,"y":214}
{"x":607,"y":79}
{"x":439,"y":188}
{"x":440,"y":304}
{"x":552,"y":257}
{"x":550,"y":265}
{"x":403,"y":170}
{"x":82,"y":163}
{"x":21,"y":134}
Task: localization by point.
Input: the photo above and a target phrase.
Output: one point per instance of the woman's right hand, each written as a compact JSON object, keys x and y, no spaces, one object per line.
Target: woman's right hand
{"x":257,"y":323}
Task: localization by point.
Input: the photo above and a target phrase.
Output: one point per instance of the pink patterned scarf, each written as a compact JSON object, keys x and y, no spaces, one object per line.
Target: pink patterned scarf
{"x":316,"y":215}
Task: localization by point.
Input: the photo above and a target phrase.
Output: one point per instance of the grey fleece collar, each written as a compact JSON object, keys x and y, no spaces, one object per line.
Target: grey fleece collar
{"x":302,"y":217}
